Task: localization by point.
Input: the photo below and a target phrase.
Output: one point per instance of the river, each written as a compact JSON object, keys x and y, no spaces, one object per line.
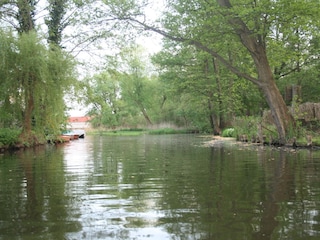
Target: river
{"x":159,"y":187}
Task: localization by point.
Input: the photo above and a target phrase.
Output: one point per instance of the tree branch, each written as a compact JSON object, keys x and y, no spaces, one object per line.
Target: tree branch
{"x":200,"y":46}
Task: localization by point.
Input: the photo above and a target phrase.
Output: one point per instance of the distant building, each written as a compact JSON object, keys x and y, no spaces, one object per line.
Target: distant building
{"x":79,"y":122}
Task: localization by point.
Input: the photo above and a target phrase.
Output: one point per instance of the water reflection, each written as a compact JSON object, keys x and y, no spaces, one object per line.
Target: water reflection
{"x":158,"y":187}
{"x":32,"y":200}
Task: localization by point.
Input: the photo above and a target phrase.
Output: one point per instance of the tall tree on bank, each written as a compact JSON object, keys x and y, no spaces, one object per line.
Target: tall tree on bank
{"x":251,"y":23}
{"x":36,"y":76}
{"x":55,"y":22}
{"x":185,"y":69}
{"x":29,"y":67}
{"x":28,"y":80}
{"x":26,"y":15}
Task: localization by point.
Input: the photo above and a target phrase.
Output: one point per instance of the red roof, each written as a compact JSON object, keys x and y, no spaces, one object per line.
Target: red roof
{"x":78,"y":119}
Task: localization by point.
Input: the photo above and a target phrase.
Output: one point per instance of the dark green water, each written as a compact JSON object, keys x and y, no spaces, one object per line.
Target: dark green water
{"x":159,"y":187}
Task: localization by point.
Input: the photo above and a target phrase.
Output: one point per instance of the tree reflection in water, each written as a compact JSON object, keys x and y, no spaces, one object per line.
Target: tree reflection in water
{"x":158,"y":187}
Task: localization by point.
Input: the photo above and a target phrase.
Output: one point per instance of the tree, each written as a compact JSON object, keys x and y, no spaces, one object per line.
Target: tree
{"x":55,"y":21}
{"x":33,"y":77}
{"x":26,"y":15}
{"x":249,"y":24}
{"x":36,"y":78}
{"x":132,"y":74}
{"x":186,"y":70}
{"x":125,"y":93}
{"x":102,"y":95}
{"x":28,"y":79}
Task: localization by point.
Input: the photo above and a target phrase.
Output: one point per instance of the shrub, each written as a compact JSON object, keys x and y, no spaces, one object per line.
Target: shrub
{"x":246,"y":126}
{"x":9,"y":136}
{"x":228,"y":132}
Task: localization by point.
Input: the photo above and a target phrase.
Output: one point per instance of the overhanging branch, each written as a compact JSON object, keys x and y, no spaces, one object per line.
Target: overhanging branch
{"x":200,"y":46}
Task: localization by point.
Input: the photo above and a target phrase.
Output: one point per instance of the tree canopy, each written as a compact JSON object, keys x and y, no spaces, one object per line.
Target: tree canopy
{"x":242,"y":36}
{"x":220,"y":59}
{"x":35,"y":76}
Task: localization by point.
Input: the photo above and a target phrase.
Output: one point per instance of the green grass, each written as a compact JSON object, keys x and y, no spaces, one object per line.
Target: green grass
{"x":302,"y":141}
{"x":166,"y":131}
{"x":137,"y":132}
{"x":316,"y":142}
{"x":117,"y":133}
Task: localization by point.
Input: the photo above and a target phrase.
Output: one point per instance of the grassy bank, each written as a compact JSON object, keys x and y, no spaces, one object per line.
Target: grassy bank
{"x":137,"y":132}
{"x":12,"y":139}
{"x":121,"y":132}
{"x":9,"y":138}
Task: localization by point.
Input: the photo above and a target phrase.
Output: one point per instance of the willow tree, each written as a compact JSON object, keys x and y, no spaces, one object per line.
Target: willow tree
{"x":27,"y":79}
{"x":10,"y":111}
{"x":249,"y":24}
{"x":34,"y":76}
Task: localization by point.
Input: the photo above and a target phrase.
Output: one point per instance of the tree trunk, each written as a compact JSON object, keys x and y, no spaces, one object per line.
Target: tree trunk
{"x":216,"y":67}
{"x":283,"y":120}
{"x":25,"y":15}
{"x":256,"y":46}
{"x":26,"y":24}
{"x":145,"y":114}
{"x":26,"y":135}
{"x":27,"y":123}
{"x":255,"y":43}
{"x":214,"y":119}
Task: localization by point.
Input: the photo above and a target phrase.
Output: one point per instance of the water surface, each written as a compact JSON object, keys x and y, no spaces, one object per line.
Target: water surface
{"x":159,"y":187}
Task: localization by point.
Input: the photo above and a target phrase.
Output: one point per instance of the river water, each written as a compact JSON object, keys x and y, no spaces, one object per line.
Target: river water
{"x":159,"y":187}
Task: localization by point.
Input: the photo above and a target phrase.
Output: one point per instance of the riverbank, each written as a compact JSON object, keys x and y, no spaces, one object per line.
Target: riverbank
{"x":9,"y":140}
{"x":218,"y":141}
{"x":137,"y":132}
{"x":215,"y":141}
{"x":13,"y":141}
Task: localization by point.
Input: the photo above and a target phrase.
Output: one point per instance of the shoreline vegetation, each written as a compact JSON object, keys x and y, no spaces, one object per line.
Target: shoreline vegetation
{"x":9,"y":138}
{"x":136,"y":132}
{"x":218,"y":141}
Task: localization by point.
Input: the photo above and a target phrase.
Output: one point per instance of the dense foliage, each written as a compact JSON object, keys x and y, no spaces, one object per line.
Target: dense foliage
{"x":31,"y":69}
{"x":220,"y":60}
{"x":35,"y":75}
{"x":223,"y":59}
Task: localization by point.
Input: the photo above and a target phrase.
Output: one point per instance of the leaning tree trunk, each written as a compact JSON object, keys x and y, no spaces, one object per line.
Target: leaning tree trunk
{"x":255,"y":43}
{"x":283,"y":120}
{"x":146,"y":116}
{"x":256,"y":46}
{"x":280,"y":114}
{"x":144,"y":112}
